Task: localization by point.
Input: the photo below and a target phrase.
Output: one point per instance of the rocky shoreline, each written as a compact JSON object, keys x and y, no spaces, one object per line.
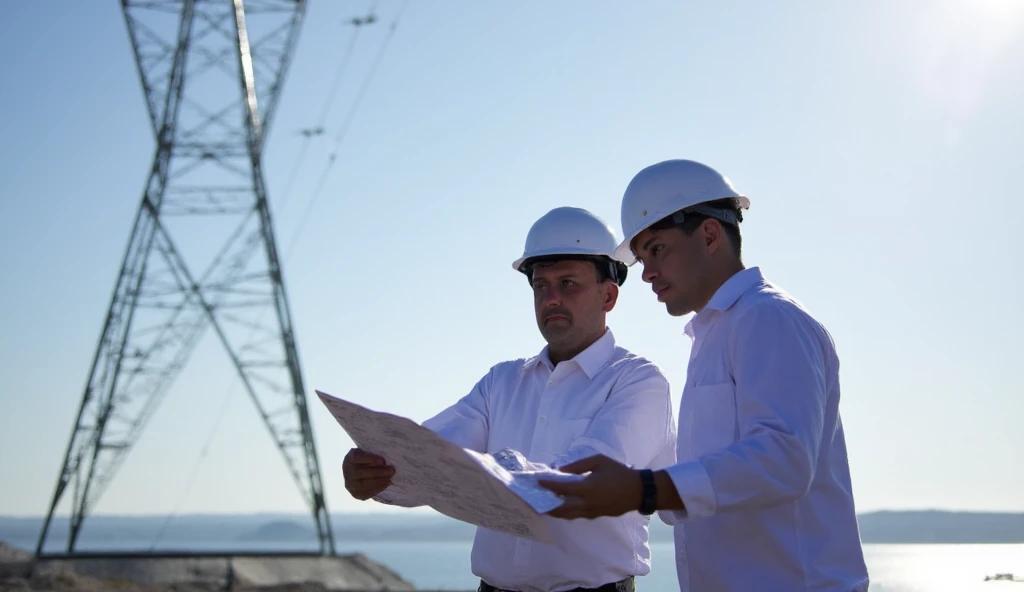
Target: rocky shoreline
{"x":20,"y":571}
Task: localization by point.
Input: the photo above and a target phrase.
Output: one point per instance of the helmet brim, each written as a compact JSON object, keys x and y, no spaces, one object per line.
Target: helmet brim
{"x":555,"y":253}
{"x":624,"y":252}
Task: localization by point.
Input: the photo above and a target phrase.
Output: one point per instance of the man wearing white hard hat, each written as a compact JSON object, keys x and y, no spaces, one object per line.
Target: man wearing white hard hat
{"x":580,"y":396}
{"x":761,"y":495}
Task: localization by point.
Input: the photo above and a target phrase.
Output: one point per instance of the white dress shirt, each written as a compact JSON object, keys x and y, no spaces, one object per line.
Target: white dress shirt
{"x":762,"y":468}
{"x":607,"y":401}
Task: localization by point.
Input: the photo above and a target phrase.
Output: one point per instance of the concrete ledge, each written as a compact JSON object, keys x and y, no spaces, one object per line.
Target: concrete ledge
{"x":265,"y":572}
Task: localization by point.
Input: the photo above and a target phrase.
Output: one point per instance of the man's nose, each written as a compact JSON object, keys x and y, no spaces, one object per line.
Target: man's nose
{"x":551,"y":297}
{"x":649,"y":273}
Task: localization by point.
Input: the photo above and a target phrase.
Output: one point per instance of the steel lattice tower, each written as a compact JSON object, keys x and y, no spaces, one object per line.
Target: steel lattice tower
{"x":211,"y":73}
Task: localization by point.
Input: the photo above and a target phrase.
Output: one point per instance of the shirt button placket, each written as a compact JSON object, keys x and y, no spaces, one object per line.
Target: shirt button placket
{"x":540,"y":427}
{"x":521,"y":556}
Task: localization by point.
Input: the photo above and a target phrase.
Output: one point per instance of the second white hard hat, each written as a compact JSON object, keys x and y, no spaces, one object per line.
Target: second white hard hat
{"x":662,"y":189}
{"x":573,"y":233}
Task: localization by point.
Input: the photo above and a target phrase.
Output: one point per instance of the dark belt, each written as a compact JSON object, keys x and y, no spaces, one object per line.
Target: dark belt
{"x":625,"y":585}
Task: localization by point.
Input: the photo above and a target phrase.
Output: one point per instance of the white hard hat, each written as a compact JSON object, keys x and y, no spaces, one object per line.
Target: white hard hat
{"x":663,"y":189}
{"x":572,"y":233}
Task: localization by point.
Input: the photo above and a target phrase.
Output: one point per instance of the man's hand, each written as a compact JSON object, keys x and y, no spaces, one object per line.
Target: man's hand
{"x":611,"y":489}
{"x":366,"y":474}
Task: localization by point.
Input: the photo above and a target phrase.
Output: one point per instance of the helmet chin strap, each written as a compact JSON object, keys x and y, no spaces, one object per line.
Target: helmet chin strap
{"x":618,"y":271}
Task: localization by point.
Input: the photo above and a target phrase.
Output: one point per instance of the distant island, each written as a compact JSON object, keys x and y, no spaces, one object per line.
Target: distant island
{"x":266,"y":530}
{"x":934,"y":526}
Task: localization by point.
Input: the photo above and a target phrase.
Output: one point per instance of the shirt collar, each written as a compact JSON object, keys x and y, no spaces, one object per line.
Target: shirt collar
{"x":727,"y":294}
{"x":590,"y":360}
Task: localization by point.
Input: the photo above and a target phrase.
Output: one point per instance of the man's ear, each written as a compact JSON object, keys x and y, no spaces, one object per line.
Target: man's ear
{"x":611,"y":295}
{"x":712,"y":234}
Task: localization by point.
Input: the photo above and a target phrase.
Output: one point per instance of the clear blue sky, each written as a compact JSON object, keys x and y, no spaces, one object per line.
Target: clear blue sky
{"x":880,"y":142}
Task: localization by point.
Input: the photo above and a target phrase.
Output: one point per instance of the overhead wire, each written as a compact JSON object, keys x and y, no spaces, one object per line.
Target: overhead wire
{"x":317,"y":130}
{"x":345,"y":126}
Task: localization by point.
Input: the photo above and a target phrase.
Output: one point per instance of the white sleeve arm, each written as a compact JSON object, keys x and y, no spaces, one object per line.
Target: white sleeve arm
{"x":779,"y":372}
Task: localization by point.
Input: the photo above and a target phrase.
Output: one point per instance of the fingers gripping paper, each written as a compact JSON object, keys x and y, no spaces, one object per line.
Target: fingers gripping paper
{"x":459,"y":483}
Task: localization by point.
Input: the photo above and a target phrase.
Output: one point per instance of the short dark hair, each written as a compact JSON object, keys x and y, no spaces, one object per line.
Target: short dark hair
{"x":692,"y":220}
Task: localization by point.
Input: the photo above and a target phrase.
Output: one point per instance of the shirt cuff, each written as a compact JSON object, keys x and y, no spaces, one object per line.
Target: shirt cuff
{"x":672,"y":517}
{"x":693,"y":484}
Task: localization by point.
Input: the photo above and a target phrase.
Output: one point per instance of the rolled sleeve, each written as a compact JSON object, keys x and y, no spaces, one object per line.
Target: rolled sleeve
{"x":693,"y":484}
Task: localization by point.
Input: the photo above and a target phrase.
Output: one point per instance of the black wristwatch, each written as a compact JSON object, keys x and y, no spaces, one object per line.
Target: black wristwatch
{"x":650,"y":493}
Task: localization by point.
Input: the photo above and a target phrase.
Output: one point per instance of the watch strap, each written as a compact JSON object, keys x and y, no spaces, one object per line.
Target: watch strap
{"x":650,"y":493}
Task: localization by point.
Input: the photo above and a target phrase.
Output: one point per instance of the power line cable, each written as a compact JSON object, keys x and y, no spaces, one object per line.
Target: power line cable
{"x":343,"y":130}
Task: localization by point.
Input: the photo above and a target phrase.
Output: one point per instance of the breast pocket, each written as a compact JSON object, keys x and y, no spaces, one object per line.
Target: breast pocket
{"x":559,"y":437}
{"x":707,"y":420}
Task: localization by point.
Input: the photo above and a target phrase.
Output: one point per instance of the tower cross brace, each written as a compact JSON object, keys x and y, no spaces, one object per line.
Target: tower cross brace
{"x":211,"y":74}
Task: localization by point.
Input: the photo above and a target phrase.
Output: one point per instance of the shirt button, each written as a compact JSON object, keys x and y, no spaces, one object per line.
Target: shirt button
{"x":542,"y":419}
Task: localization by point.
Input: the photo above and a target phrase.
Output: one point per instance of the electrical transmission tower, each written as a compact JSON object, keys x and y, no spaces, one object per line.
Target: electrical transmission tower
{"x":211,"y":73}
